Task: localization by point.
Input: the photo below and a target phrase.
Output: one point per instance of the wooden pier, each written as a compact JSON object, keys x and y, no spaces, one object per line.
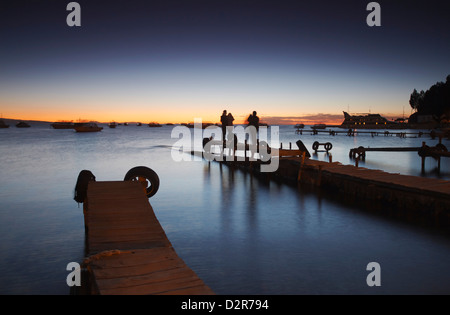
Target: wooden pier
{"x":401,"y":132}
{"x":411,"y":197}
{"x":127,"y":250}
{"x":436,"y":152}
{"x":373,"y":133}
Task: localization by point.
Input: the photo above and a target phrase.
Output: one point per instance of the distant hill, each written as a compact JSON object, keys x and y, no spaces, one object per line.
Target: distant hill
{"x":12,"y":122}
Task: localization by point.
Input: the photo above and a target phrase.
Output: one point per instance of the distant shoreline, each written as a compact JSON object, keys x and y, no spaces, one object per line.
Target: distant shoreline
{"x":13,"y":121}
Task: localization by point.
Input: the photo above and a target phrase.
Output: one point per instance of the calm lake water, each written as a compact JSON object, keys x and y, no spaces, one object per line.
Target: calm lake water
{"x":240,"y":234}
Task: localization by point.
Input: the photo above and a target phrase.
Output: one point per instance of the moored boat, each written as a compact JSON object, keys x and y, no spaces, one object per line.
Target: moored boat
{"x":153,"y":124}
{"x":22,"y":124}
{"x":3,"y":124}
{"x":319,"y":126}
{"x":87,"y":127}
{"x":112,"y":125}
{"x":369,"y":121}
{"x":198,"y":125}
{"x":62,"y":125}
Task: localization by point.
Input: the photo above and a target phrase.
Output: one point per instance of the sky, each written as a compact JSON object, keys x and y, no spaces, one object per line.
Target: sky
{"x":174,"y":61}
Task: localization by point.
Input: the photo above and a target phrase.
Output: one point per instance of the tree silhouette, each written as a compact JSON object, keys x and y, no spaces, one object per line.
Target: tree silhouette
{"x":435,"y":101}
{"x":416,"y":99}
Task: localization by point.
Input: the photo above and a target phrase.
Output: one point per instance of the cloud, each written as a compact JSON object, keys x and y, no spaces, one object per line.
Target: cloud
{"x":312,"y":119}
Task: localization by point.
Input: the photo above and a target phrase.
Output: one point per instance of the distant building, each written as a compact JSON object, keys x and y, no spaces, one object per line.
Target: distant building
{"x":422,"y":119}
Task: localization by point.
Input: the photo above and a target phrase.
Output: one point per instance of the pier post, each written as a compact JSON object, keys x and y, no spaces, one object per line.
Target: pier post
{"x":245,"y":150}
{"x":301,"y":166}
{"x":320,"y":176}
{"x":423,"y":159}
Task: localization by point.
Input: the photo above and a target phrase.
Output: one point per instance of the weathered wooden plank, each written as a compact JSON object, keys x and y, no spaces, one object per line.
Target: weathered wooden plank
{"x":128,"y":238}
{"x":153,"y":271}
{"x":152,"y":278}
{"x":120,"y":231}
{"x":115,"y":258}
{"x":137,"y":271}
{"x":199,"y":290}
{"x":170,"y":287}
{"x":99,"y":247}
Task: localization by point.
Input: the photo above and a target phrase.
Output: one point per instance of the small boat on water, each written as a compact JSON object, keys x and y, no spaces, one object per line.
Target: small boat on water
{"x":22,"y":124}
{"x":202,"y":126}
{"x":112,"y":125}
{"x":319,"y":126}
{"x":62,"y":125}
{"x":87,"y":127}
{"x":153,"y":124}
{"x":3,"y":124}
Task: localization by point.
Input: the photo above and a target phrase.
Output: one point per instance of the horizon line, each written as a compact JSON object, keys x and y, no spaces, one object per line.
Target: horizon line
{"x":269,"y":122}
{"x":307,"y":119}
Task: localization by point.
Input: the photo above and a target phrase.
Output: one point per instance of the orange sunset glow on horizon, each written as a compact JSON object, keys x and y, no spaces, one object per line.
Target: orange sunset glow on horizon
{"x":167,"y":116}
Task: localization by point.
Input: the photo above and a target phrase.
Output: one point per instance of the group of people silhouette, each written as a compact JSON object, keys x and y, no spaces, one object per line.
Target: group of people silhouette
{"x":227,"y":120}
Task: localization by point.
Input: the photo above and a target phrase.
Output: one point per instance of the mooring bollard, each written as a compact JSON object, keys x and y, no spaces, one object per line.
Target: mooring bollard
{"x":328,"y":146}
{"x":358,"y":153}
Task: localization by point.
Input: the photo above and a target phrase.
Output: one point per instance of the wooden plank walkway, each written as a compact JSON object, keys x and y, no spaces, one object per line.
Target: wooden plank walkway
{"x":128,"y":250}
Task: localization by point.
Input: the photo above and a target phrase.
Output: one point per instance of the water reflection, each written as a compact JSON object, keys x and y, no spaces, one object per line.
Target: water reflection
{"x":252,"y":201}
{"x":280,"y":239}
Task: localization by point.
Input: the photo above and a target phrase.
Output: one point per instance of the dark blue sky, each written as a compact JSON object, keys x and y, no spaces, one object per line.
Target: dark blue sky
{"x":167,"y":58}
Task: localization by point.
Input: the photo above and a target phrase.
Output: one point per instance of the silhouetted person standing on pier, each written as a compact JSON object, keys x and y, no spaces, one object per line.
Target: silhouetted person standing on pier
{"x":253,"y":120}
{"x":224,"y":122}
{"x":230,"y":119}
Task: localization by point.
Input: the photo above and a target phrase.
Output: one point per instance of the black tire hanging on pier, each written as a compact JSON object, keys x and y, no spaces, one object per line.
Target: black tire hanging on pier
{"x":146,"y":176}
{"x":328,"y":146}
{"x":315,"y":145}
{"x":81,"y":186}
